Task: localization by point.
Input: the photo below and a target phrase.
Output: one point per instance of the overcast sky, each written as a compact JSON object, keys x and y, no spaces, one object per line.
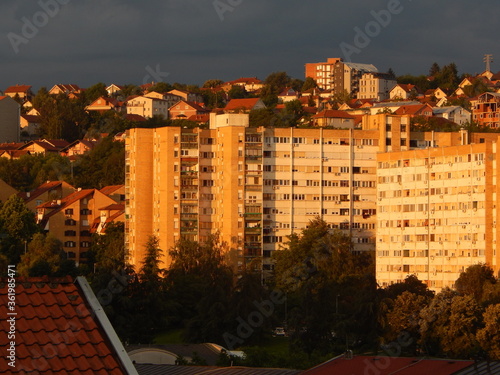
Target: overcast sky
{"x":131,"y":41}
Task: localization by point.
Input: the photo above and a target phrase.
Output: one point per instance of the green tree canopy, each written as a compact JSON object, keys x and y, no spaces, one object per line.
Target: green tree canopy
{"x":473,"y":280}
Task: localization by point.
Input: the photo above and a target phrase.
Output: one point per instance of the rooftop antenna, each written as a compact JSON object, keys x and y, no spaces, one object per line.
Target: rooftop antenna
{"x":488,"y":59}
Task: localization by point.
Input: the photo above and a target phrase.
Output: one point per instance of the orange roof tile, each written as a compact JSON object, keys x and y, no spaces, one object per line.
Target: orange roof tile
{"x":17,"y":89}
{"x":332,"y":113}
{"x":241,"y":103}
{"x":47,"y":186}
{"x":107,"y":190}
{"x":56,"y":330}
{"x":388,"y":365}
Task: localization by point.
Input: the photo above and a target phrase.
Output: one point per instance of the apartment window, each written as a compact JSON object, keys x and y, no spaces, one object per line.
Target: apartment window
{"x":69,"y":222}
{"x":70,"y":233}
{"x":70,"y":244}
{"x":68,"y":211}
{"x":207,"y":183}
{"x":85,"y":211}
{"x":85,"y":244}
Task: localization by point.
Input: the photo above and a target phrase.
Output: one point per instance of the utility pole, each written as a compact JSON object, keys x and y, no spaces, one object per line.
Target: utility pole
{"x":488,"y":59}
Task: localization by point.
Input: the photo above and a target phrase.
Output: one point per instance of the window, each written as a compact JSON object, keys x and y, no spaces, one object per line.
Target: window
{"x":85,"y":244}
{"x":68,"y":211}
{"x":85,"y":211}
{"x":70,"y":233}
{"x":69,"y":222}
{"x":70,"y":244}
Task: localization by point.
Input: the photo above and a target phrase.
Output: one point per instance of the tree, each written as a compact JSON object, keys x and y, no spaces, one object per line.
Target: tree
{"x":237,"y":92}
{"x":403,"y":317}
{"x":212,"y":83}
{"x":95,"y":92}
{"x":309,"y":83}
{"x":473,"y":280}
{"x":201,"y":282}
{"x":160,"y":87}
{"x":449,"y":325}
{"x":489,"y":336}
{"x":45,"y":256}
{"x":261,"y":117}
{"x":17,"y":227}
{"x":391,"y":73}
{"x":329,"y":288}
{"x":434,"y":69}
{"x":103,"y":165}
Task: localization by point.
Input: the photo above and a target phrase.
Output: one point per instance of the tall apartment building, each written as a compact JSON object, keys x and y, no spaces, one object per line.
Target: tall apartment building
{"x":339,"y":76}
{"x":322,"y":72}
{"x":437,"y":211}
{"x":255,"y":186}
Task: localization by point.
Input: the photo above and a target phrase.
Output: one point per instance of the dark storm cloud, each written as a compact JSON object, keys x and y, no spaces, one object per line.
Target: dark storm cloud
{"x":115,"y":41}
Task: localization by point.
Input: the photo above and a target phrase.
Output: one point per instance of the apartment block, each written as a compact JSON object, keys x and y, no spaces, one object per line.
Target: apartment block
{"x":338,"y":76}
{"x":322,"y":72}
{"x":376,"y":86}
{"x":437,"y":210}
{"x":254,"y":186}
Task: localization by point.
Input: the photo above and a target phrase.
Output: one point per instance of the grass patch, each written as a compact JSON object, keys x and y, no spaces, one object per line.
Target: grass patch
{"x":173,"y":336}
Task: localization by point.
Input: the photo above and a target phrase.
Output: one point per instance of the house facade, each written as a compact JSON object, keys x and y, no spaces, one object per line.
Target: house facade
{"x":148,"y":107}
{"x":376,"y":86}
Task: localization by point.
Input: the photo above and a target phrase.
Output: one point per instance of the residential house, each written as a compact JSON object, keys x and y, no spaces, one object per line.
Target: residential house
{"x":147,"y":107}
{"x":104,"y":104}
{"x":48,"y":191}
{"x":376,"y":86}
{"x":70,"y":220}
{"x":486,"y":109}
{"x":60,"y":328}
{"x":30,"y":125}
{"x":390,"y":107}
{"x":456,"y":114}
{"x":113,"y":89}
{"x":78,"y":147}
{"x":403,"y":91}
{"x":438,"y":93}
{"x":333,"y":118}
{"x":23,"y":92}
{"x":112,"y":213}
{"x":115,"y":192}
{"x":244,"y":105}
{"x":10,"y":120}
{"x":6,"y":191}
{"x":183,"y":110}
{"x":44,"y":146}
{"x":187,"y":96}
{"x":414,"y":110}
{"x":66,"y":89}
{"x":250,"y":84}
{"x":13,"y":154}
{"x":170,"y":98}
{"x":288,"y":95}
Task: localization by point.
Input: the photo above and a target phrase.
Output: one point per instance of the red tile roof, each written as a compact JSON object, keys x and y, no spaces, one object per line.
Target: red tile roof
{"x":388,"y":365}
{"x":107,"y":190}
{"x":332,"y":113}
{"x":199,"y":118}
{"x":17,"y":89}
{"x":247,"y":104}
{"x":47,"y":186}
{"x":57,"y":331}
